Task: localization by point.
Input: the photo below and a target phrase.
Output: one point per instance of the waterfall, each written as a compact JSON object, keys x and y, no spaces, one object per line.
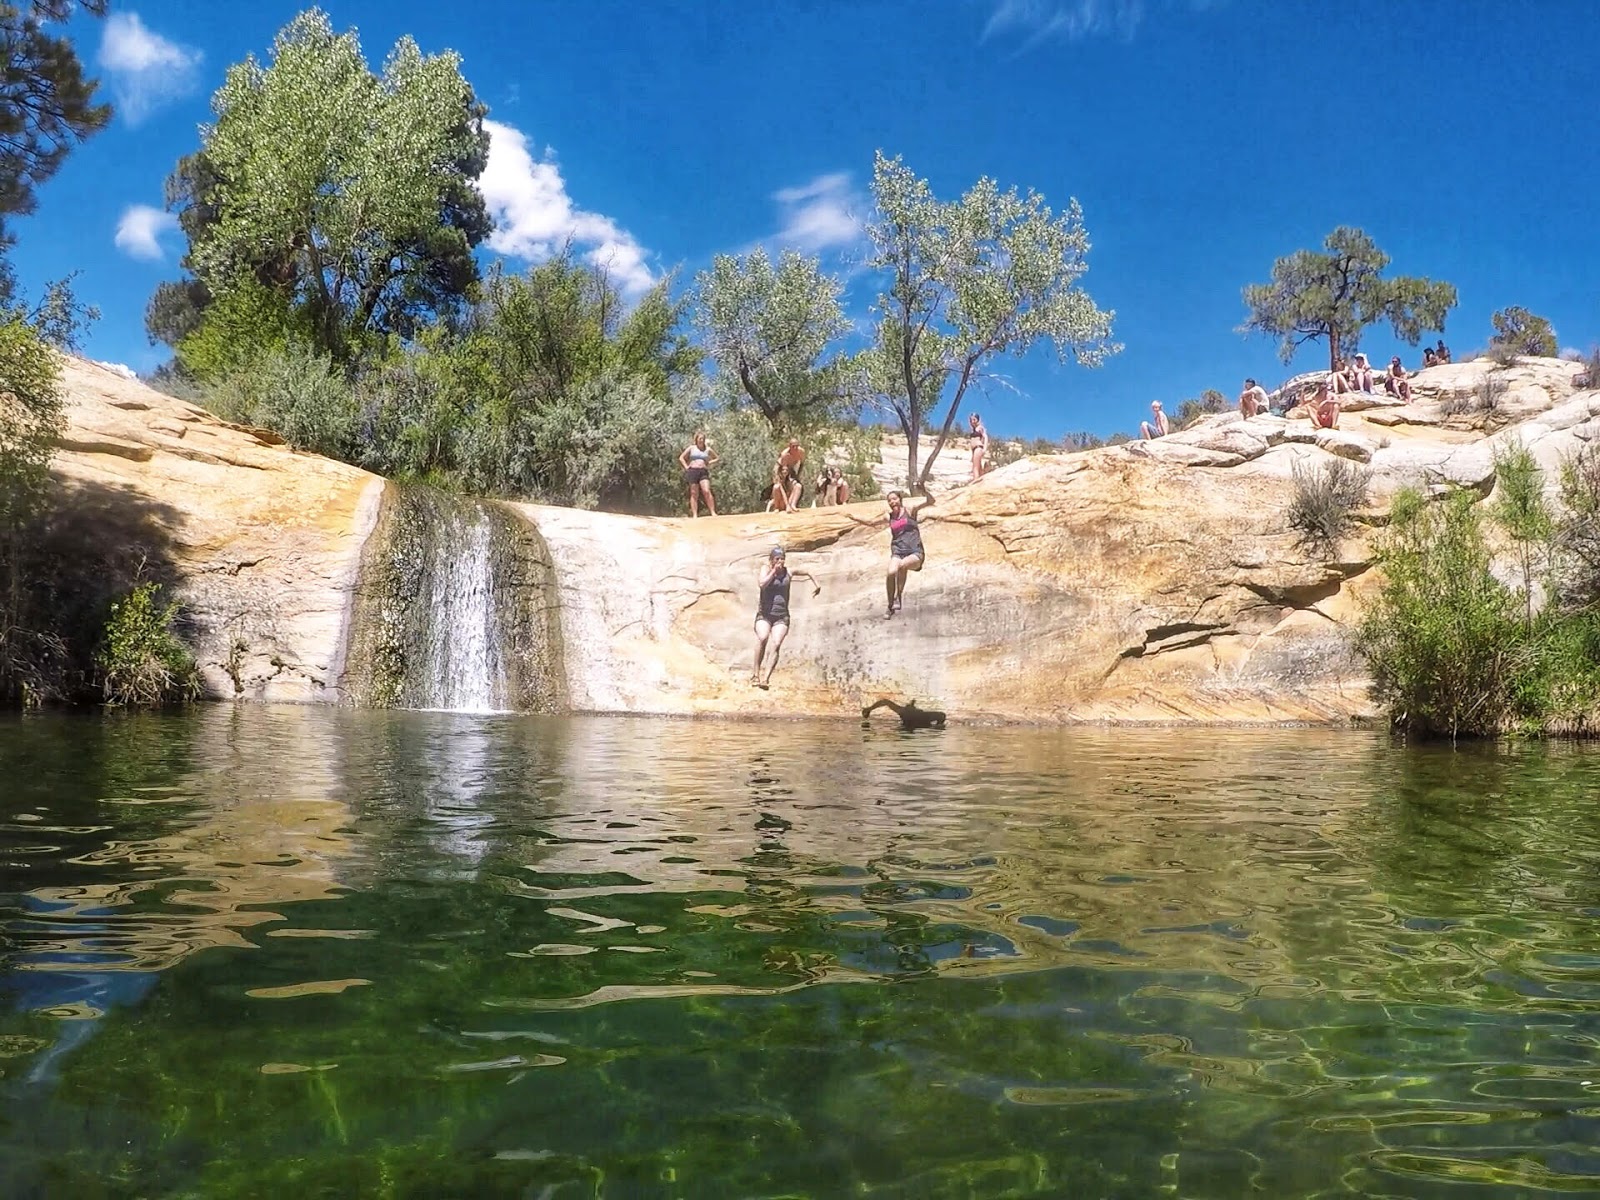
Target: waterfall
{"x":454,"y":610}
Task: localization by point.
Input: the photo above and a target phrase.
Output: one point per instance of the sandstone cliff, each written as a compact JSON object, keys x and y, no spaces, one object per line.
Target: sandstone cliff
{"x":1152,"y":581}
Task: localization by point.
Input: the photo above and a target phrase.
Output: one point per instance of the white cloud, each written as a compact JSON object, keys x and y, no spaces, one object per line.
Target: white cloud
{"x":146,"y":69}
{"x":140,"y":229}
{"x":820,"y":215}
{"x":534,"y":216}
{"x":1072,"y":20}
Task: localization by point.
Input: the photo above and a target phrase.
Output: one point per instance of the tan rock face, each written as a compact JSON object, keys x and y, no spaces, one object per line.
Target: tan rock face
{"x":263,"y":540}
{"x":1152,"y":581}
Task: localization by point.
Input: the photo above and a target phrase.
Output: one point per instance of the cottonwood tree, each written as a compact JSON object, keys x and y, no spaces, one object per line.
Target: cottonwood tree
{"x":768,"y":329}
{"x":1518,"y":331}
{"x":967,"y":280}
{"x":1337,"y":293}
{"x":46,"y":106}
{"x":347,"y":197}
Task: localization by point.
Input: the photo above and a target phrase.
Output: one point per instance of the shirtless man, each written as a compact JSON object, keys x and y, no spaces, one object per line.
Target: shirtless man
{"x":1252,"y":400}
{"x":1157,"y":426}
{"x":789,"y":462}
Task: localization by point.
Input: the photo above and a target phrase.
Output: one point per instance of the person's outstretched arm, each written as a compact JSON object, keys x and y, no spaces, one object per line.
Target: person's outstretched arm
{"x":816,"y":588}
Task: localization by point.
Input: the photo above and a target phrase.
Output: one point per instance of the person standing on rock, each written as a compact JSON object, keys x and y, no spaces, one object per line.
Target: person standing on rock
{"x":977,"y":445}
{"x":772,"y":611}
{"x":905,"y":543}
{"x":697,"y":460}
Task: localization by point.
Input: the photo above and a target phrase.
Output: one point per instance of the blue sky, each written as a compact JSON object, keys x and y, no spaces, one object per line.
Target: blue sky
{"x":1203,"y":138}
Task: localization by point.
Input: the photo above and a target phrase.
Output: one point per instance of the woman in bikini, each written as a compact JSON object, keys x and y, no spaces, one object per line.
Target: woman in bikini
{"x":978,"y":444}
{"x":905,"y":543}
{"x":772,"y":611}
{"x":697,"y":460}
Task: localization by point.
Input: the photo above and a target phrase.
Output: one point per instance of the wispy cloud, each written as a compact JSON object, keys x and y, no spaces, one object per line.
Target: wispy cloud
{"x":535,"y":217}
{"x":1036,"y":21}
{"x":146,"y":69}
{"x":820,"y":215}
{"x":139,"y":231}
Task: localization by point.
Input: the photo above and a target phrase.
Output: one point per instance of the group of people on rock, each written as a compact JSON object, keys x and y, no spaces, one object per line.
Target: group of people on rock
{"x":906,"y":554}
{"x":788,"y":486}
{"x":1320,"y":400}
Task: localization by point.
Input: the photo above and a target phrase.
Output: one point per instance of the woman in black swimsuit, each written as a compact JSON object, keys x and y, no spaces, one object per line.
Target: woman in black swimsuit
{"x":772,"y":611}
{"x":905,"y":543}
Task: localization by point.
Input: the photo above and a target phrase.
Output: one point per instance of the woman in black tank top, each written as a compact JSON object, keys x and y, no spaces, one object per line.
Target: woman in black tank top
{"x":772,"y":611}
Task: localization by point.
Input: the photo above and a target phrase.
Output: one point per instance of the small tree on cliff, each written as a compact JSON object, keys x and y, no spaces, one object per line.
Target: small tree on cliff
{"x":1518,"y":331}
{"x":342,"y":199}
{"x":991,"y":273}
{"x":768,"y":328}
{"x":1337,"y":294}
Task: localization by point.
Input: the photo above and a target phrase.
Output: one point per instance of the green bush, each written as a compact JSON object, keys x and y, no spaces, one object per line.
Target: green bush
{"x":1578,"y":532}
{"x":296,"y":393}
{"x":1325,"y":499}
{"x":141,"y":660}
{"x":1443,"y":637}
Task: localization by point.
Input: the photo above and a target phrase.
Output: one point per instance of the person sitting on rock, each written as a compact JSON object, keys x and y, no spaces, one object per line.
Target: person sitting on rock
{"x":911,"y":717}
{"x":772,"y":611}
{"x":832,"y":488}
{"x":1395,"y":381}
{"x":779,"y":500}
{"x":1324,"y":407}
{"x":1157,"y":426}
{"x":1361,"y":375}
{"x":1441,"y":352}
{"x":1252,"y":400}
{"x":1339,"y":377}
{"x":1429,"y":358}
{"x":790,"y":461}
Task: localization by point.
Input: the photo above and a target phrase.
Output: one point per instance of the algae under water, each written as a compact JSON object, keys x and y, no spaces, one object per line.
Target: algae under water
{"x":260,"y":951}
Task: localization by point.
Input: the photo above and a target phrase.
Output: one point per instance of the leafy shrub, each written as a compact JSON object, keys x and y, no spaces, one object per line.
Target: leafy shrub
{"x":1490,"y":391}
{"x":1578,"y":531}
{"x":296,"y":393}
{"x":1443,"y":638}
{"x":1589,"y":377}
{"x":142,"y":661}
{"x":1325,"y":499}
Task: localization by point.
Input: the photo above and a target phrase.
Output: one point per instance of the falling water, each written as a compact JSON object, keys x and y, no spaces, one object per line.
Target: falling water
{"x":453,"y":610}
{"x":463,"y":670}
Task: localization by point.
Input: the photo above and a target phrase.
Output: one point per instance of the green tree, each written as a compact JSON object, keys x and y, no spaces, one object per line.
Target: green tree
{"x":1518,"y":331}
{"x":46,"y":107}
{"x":30,"y":420}
{"x":348,"y":196}
{"x":768,"y":329}
{"x":1209,"y":402}
{"x":1337,"y":294}
{"x":1524,"y":516}
{"x":989,"y":274}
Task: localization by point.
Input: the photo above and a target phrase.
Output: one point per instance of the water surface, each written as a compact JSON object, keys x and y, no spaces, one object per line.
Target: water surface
{"x":261,"y":951}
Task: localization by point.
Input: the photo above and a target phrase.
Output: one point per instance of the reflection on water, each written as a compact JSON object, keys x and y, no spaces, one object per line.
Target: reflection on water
{"x":248,"y":950}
